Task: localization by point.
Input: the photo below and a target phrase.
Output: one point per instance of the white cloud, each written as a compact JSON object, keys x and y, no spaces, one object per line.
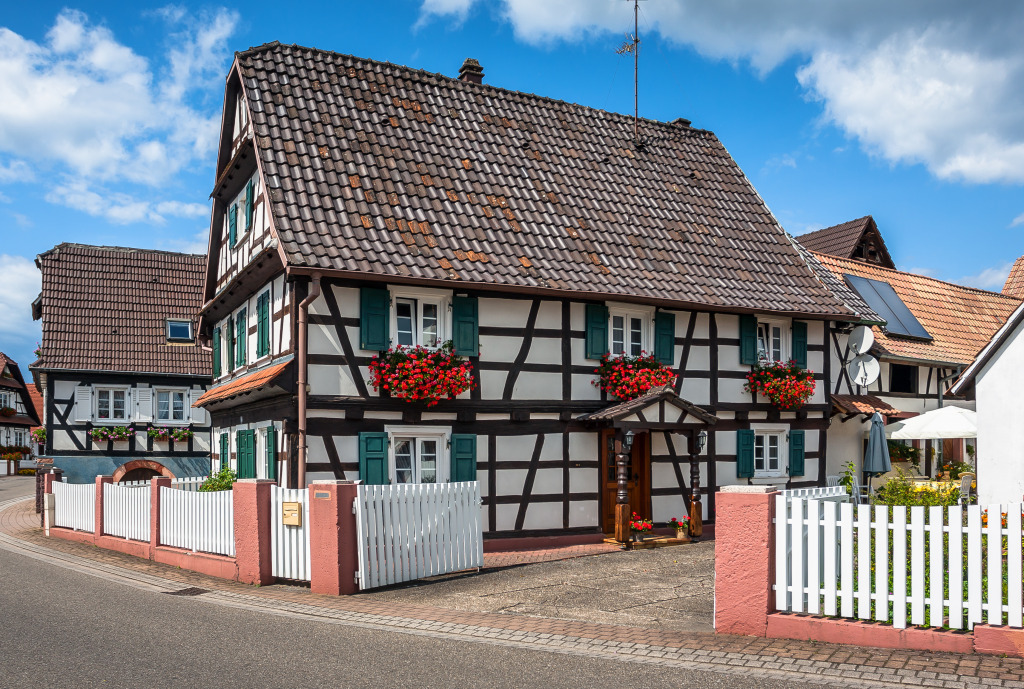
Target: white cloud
{"x":120,"y":208}
{"x":196,"y":244}
{"x":97,"y":109}
{"x":1019,"y":220}
{"x":990,"y":278}
{"x":936,"y":82}
{"x":22,"y":282}
{"x":927,"y":272}
{"x":15,"y":171}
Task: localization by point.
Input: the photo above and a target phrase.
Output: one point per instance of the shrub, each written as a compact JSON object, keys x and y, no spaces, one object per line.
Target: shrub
{"x":900,"y":490}
{"x":222,"y":480}
{"x":26,"y":472}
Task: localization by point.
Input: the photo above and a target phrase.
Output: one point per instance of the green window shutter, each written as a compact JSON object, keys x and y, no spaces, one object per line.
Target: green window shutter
{"x":796,"y":453}
{"x":241,"y":337}
{"x":374,"y":318}
{"x":271,"y":453}
{"x":597,"y":330}
{"x":745,"y":453}
{"x":800,"y":343}
{"x":665,"y":337}
{"x":465,"y":326}
{"x":373,"y":459}
{"x":216,"y":352}
{"x":246,"y":453}
{"x":463,"y":457}
{"x":232,"y":224}
{"x":748,"y":339}
{"x":229,"y":336}
{"x":225,"y":451}
{"x":263,"y":324}
{"x":248,"y":203}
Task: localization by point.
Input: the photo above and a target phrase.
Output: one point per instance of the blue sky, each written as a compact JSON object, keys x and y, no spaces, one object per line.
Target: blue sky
{"x":913,"y":112}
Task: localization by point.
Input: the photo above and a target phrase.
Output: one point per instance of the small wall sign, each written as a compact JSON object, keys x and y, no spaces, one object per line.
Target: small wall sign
{"x":291,"y":513}
{"x":321,"y":495}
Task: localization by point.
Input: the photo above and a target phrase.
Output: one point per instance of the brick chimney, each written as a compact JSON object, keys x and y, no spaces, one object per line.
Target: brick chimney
{"x":471,"y":71}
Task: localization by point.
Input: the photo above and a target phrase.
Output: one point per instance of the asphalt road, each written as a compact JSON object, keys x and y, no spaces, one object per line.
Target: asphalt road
{"x":16,"y":486}
{"x":64,"y":628}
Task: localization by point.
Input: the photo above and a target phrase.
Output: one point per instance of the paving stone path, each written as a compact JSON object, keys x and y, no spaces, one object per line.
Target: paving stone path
{"x":798,"y":663}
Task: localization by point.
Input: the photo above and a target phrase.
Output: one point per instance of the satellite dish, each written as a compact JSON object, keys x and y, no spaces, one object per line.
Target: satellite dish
{"x":864,"y":370}
{"x":861,"y":339}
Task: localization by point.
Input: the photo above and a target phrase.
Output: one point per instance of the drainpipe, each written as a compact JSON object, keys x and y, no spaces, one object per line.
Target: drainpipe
{"x":303,"y":382}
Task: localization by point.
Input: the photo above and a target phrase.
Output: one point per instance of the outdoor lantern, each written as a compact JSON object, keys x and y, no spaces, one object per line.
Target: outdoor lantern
{"x":627,"y":442}
{"x":702,"y":440}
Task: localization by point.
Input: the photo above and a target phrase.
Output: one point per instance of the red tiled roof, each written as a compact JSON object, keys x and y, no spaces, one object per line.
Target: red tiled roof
{"x":838,"y":240}
{"x":105,"y":309}
{"x":862,"y":404}
{"x":29,"y":394}
{"x":1014,"y":285}
{"x":248,"y":383}
{"x":961,"y":320}
{"x":378,"y":169}
{"x":622,"y":409}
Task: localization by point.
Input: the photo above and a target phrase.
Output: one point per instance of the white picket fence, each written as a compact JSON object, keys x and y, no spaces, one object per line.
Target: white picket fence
{"x":289,"y":545}
{"x":188,"y":483}
{"x":203,"y":522}
{"x":126,"y":510}
{"x":938,"y":560}
{"x":830,"y":493}
{"x":74,"y":506}
{"x":407,"y":532}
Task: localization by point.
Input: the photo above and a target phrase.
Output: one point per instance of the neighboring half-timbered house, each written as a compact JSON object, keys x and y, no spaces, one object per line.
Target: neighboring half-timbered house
{"x":18,"y":415}
{"x":362,"y":205}
{"x":119,"y":365}
{"x":926,"y":331}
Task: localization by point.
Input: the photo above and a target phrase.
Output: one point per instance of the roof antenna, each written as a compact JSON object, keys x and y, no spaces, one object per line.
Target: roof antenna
{"x":633,"y":46}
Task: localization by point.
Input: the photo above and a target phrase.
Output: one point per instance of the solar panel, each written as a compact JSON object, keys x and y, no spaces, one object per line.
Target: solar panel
{"x":882,"y":298}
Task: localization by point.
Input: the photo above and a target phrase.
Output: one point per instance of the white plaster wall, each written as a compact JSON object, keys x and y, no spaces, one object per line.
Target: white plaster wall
{"x":1000,"y":442}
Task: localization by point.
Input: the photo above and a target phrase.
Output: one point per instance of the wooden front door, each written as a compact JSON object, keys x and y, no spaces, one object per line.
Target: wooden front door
{"x":639,"y":478}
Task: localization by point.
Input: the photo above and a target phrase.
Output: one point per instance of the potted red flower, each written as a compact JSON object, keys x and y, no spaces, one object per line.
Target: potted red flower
{"x":640,"y":527}
{"x":628,"y":377}
{"x":786,"y":385}
{"x":419,"y":374}
{"x":8,"y":411}
{"x":682,"y":527}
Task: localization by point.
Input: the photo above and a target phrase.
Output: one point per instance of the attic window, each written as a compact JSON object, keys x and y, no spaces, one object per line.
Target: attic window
{"x":179,"y":331}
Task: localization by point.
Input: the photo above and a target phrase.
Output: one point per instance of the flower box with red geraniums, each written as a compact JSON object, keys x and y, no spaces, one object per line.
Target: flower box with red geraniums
{"x":786,"y":385}
{"x":164,"y":433}
{"x":419,"y":374}
{"x":628,"y":377}
{"x":115,"y":433}
{"x":8,"y":411}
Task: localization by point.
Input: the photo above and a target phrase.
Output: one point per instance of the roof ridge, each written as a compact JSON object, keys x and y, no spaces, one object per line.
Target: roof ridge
{"x":386,"y":63}
{"x":121,"y":249}
{"x":917,"y":275}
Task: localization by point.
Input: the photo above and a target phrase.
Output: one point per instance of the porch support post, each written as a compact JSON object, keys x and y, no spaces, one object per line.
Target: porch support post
{"x":696,"y":520}
{"x":622,"y":492}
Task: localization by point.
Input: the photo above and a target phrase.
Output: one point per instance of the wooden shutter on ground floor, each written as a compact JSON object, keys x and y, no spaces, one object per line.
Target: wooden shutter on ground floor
{"x":245,"y":453}
{"x":463,"y":457}
{"x":800,"y":343}
{"x":374,"y":318}
{"x":748,"y":339}
{"x":465,"y":326}
{"x":665,"y":337}
{"x":796,"y":453}
{"x":225,"y":451}
{"x":83,"y":403}
{"x":373,"y":458}
{"x":271,"y":453}
{"x":597,"y":330}
{"x":745,"y":453}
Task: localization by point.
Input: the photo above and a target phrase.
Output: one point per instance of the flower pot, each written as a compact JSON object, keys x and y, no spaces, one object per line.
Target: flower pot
{"x":683,"y":534}
{"x":638,"y":536}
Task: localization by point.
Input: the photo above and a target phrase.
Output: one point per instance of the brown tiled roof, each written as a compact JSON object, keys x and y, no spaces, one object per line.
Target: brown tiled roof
{"x":374,"y":169}
{"x":248,"y":383}
{"x":960,"y":319}
{"x":105,"y":309}
{"x":623,"y":409}
{"x":838,"y":240}
{"x":862,"y":404}
{"x":1014,"y":285}
{"x":839,"y":288}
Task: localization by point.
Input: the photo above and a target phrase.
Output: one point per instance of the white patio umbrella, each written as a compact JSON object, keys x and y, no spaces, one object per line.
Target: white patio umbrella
{"x":945,"y":422}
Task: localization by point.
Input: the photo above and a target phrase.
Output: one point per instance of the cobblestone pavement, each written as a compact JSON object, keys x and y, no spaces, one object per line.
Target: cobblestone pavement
{"x":794,"y":662}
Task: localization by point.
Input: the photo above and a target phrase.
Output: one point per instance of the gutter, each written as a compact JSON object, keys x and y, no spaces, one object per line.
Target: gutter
{"x":303,"y":385}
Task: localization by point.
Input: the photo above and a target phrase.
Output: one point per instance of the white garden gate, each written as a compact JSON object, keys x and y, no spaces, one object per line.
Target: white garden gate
{"x":289,"y":544}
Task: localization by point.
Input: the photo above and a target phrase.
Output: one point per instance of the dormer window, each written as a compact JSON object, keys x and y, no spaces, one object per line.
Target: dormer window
{"x":179,"y":331}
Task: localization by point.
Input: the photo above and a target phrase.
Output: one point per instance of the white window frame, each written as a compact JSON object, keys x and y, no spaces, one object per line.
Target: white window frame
{"x":5,"y":399}
{"x":784,"y":337}
{"x":766,"y":429}
{"x":111,"y":389}
{"x":626,"y":312}
{"x":443,"y":301}
{"x":186,"y":410}
{"x":191,"y":334}
{"x":441,"y":434}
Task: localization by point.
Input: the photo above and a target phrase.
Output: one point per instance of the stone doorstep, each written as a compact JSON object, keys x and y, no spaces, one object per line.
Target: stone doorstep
{"x":655,"y":542}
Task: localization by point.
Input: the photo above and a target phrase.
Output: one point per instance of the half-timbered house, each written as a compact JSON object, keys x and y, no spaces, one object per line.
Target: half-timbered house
{"x":18,"y":413}
{"x":119,"y":365}
{"x":361,"y":205}
{"x":926,"y":331}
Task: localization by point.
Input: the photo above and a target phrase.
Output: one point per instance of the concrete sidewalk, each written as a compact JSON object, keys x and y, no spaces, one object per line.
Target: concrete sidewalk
{"x":793,"y":661}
